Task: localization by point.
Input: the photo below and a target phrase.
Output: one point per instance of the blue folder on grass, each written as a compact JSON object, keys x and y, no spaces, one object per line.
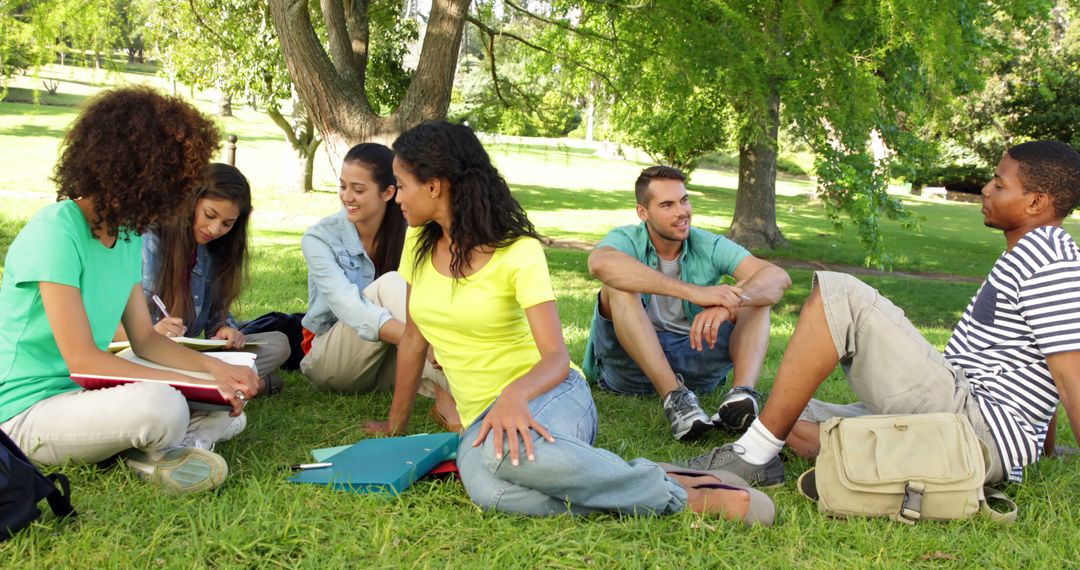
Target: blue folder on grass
{"x":381,"y":465}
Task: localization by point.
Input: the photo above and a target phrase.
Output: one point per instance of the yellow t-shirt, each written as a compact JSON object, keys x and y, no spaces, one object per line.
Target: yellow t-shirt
{"x":477,"y":325}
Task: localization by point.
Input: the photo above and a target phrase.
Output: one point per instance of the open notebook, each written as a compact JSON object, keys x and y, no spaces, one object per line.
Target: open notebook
{"x":199,"y":344}
{"x":194,"y":392}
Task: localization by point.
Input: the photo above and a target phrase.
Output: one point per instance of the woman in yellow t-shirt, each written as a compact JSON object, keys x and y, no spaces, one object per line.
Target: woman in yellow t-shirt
{"x":480,"y":294}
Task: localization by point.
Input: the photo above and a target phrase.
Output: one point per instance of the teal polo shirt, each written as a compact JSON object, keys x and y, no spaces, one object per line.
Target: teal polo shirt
{"x":704,"y":260}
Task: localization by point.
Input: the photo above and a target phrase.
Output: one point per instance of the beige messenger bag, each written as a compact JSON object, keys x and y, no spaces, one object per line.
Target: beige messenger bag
{"x":905,"y":467}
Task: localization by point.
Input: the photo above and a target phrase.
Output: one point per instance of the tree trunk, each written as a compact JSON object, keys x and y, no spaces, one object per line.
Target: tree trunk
{"x":304,"y":184}
{"x":754,"y":222}
{"x":333,"y":90}
{"x":224,"y":104}
{"x":302,"y":139}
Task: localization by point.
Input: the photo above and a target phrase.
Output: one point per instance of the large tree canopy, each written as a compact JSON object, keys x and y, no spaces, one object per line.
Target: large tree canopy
{"x":334,"y":85}
{"x":833,"y":71}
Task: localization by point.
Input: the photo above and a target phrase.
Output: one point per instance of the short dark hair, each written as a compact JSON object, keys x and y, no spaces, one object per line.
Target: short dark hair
{"x":1052,"y":168}
{"x":659,"y":172}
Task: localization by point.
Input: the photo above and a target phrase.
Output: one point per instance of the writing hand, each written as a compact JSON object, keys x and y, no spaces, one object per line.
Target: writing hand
{"x":170,"y":326}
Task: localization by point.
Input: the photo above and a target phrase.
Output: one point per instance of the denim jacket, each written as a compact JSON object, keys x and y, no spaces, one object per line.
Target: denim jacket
{"x":338,"y":270}
{"x":200,"y":286}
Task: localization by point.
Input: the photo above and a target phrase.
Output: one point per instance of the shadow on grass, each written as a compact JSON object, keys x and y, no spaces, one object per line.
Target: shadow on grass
{"x":548,"y":198}
{"x":23,"y":95}
{"x":33,"y":131}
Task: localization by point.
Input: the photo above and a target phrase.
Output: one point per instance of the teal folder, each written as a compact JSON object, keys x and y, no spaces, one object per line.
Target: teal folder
{"x":382,"y":465}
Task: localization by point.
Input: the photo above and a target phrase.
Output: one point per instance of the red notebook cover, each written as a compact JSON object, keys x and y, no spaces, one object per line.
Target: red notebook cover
{"x":194,"y":392}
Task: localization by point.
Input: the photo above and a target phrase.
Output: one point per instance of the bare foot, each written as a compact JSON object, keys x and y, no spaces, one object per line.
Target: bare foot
{"x":730,"y":504}
{"x":445,"y":410}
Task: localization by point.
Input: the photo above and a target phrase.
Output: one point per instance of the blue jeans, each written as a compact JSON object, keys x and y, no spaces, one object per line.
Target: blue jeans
{"x":569,"y":475}
{"x":701,"y":371}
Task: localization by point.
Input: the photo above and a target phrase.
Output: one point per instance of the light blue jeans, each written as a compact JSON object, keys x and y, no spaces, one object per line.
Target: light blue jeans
{"x":569,"y":475}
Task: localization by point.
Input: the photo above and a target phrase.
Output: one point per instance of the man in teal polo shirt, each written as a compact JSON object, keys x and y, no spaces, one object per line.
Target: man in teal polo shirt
{"x":664,"y":324}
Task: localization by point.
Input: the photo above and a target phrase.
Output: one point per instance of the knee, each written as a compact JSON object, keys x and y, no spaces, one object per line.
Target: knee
{"x":159,"y":411}
{"x":804,"y":440}
{"x":613,"y":301}
{"x":814,"y":298}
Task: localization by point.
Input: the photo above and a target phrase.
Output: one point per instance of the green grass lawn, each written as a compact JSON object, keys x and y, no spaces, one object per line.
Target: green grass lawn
{"x":257,"y":519}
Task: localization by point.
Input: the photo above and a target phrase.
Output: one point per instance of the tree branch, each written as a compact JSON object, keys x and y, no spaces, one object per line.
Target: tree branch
{"x":559,"y":24}
{"x":489,"y":47}
{"x":492,"y":33}
{"x":358,"y":23}
{"x":202,"y":23}
{"x":337,"y":33}
{"x":283,"y":124}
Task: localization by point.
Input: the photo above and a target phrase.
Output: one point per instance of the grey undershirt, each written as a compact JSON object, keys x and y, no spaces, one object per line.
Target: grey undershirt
{"x":666,"y":313}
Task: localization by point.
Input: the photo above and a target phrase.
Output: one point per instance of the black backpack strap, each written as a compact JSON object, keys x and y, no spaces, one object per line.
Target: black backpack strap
{"x":60,"y":497}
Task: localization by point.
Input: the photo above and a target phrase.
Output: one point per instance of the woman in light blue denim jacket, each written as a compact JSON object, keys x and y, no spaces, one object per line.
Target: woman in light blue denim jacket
{"x":356,"y":299}
{"x":196,"y":266}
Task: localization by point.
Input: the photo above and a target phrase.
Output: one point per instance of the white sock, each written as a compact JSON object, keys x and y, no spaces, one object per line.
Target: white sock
{"x":760,"y":445}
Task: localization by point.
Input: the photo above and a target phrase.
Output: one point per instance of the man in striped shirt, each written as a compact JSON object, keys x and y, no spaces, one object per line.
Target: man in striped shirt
{"x":1014,"y":354}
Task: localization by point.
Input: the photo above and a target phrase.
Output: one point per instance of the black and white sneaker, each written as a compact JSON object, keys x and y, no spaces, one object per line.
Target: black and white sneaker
{"x":738,"y":410}
{"x":687,"y":418}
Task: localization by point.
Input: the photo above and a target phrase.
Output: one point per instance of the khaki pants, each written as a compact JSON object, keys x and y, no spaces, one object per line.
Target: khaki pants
{"x":889,"y":365}
{"x":93,"y":425}
{"x":273,"y":352}
{"x":341,"y":361}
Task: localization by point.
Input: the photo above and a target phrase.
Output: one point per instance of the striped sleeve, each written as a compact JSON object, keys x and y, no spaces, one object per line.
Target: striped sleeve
{"x":1050,"y":303}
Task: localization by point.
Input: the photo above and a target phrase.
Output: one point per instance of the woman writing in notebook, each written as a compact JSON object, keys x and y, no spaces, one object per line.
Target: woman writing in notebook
{"x":356,"y":298}
{"x":196,"y":266}
{"x":480,"y":293}
{"x":73,"y":273}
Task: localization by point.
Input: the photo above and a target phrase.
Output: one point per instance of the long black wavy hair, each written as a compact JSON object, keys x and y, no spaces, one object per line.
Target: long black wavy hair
{"x":390,"y":238}
{"x":484,"y":212}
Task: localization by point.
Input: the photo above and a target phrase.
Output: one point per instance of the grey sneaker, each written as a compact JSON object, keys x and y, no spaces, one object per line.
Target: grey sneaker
{"x":180,"y":470}
{"x":687,"y":418}
{"x":738,"y":410}
{"x":728,"y":457}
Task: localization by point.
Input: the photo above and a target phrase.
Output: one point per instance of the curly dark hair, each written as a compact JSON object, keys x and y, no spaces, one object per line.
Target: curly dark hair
{"x":138,"y":154}
{"x":1052,"y":168}
{"x":230,"y":254}
{"x":391,"y":235}
{"x":484,"y":212}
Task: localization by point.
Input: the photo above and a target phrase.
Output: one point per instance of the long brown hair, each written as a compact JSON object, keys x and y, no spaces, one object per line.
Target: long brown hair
{"x":390,"y":239}
{"x":176,"y":240}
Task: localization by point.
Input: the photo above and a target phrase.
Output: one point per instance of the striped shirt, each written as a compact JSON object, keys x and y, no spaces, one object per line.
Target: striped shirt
{"x":1028,"y":308}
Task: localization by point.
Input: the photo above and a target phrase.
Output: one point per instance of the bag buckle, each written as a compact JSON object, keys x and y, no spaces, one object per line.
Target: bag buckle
{"x":911,"y":507}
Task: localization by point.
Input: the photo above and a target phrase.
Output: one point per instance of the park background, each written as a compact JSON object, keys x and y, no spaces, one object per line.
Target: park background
{"x":851,"y":107}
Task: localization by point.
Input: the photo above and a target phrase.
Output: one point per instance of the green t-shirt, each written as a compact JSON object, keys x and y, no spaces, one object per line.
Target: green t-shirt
{"x":56,"y":246}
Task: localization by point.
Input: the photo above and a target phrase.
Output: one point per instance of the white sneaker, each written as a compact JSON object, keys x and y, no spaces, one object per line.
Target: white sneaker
{"x":180,"y":470}
{"x":204,"y":432}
